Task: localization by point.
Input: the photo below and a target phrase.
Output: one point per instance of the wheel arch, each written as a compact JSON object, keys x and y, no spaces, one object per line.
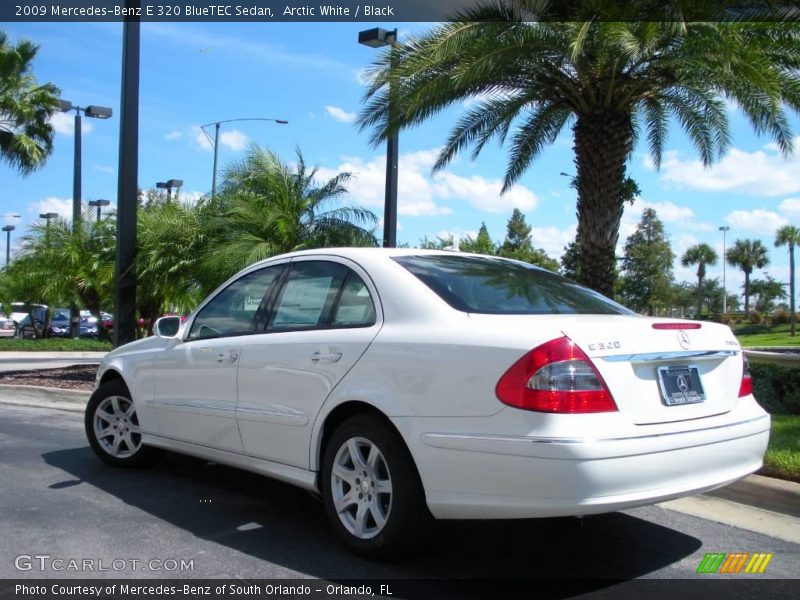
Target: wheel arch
{"x":339,"y":415}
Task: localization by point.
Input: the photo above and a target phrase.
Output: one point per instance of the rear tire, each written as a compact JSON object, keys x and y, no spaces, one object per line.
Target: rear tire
{"x":373,"y":495}
{"x":112,"y":428}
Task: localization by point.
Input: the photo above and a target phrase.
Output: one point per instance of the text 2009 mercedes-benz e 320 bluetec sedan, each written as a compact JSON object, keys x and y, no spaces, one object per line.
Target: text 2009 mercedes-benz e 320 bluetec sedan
{"x":402,"y":384}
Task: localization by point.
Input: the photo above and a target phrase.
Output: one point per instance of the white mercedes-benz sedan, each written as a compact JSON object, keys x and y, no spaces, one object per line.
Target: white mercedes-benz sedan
{"x":402,"y":384}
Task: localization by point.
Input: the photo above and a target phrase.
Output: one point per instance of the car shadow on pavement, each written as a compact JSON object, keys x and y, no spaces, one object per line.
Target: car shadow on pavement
{"x":286,"y":526}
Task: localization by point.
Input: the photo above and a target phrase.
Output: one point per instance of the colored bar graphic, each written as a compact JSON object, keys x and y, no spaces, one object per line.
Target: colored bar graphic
{"x":735,"y":562}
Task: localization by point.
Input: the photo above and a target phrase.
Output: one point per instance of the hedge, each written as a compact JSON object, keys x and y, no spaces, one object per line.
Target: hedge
{"x":777,"y":388}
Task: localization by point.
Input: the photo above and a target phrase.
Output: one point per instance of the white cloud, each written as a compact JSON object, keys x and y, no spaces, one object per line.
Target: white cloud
{"x":484,"y":194}
{"x":670,"y":213}
{"x":65,"y":123}
{"x":61,"y":206}
{"x":104,"y":168}
{"x":790,"y":207}
{"x":757,"y":220}
{"x":420,"y":193}
{"x":173,"y":135}
{"x":762,"y":173}
{"x":552,"y":239}
{"x":190,"y":197}
{"x":339,"y":114}
{"x":414,"y":188}
{"x":201,"y":140}
{"x":233,"y":139}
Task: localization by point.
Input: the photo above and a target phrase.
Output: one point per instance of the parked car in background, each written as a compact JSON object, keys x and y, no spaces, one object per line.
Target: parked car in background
{"x":21,"y":310}
{"x":59,"y":326}
{"x":401,"y":384}
{"x":107,"y":320}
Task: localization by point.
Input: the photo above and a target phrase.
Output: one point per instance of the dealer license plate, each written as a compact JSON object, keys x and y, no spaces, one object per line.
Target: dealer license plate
{"x":680,"y":385}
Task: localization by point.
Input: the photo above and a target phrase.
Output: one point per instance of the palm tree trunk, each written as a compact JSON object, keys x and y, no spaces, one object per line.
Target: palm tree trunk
{"x":793,"y":316}
{"x":699,"y":297}
{"x":602,"y":145}
{"x":746,"y":294}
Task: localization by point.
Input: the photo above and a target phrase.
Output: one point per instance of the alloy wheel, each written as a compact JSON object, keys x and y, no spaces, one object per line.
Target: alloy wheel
{"x":362,"y":487}
{"x":116,"y":427}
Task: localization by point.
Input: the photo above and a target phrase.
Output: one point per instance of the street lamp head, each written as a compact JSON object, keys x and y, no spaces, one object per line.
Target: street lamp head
{"x":281,"y":122}
{"x":377,"y":37}
{"x":65,"y":105}
{"x":98,"y":112}
{"x":99,"y":202}
{"x":9,"y":228}
{"x":724,"y":228}
{"x":50,"y":215}
{"x":175,"y":183}
{"x":162,"y":185}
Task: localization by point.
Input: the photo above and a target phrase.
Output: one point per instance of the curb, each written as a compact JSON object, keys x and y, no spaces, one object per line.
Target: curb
{"x":44,"y":397}
{"x":766,"y":493}
{"x":52,"y":355}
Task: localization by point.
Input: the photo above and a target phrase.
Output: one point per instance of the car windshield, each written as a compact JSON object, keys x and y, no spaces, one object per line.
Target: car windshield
{"x":495,"y":286}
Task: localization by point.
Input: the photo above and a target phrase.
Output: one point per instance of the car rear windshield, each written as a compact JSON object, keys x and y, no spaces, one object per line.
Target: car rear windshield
{"x":504,"y":287}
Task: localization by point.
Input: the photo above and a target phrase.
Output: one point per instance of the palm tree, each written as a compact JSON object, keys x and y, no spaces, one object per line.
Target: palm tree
{"x":700,"y":255}
{"x":748,"y":255}
{"x":59,"y":266}
{"x":26,"y":136}
{"x":610,"y":78}
{"x":172,"y":237}
{"x":267,"y":207}
{"x":789,"y":235}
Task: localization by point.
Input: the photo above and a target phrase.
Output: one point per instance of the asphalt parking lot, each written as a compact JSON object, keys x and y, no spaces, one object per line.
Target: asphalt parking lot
{"x":58,"y":499}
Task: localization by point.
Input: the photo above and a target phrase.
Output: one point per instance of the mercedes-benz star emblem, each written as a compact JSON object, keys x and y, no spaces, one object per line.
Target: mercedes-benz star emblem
{"x":683,"y":339}
{"x":683,"y":385}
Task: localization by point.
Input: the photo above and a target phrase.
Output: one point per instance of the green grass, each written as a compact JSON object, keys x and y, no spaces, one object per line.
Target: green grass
{"x":765,"y":335}
{"x":783,"y":455}
{"x":54,"y":345}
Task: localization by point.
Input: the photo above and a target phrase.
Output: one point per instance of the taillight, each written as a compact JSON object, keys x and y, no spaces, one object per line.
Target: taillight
{"x":746,"y":387}
{"x":677,"y":325}
{"x":556,"y":377}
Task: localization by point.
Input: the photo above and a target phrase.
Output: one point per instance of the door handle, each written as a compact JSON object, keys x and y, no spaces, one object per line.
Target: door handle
{"x":328,"y":356}
{"x":230,"y":357}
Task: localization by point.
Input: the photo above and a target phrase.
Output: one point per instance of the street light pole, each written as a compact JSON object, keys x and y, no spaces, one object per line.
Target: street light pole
{"x":215,"y":141}
{"x":99,"y":204}
{"x":127,"y":191}
{"x":8,"y":229}
{"x":724,"y":229}
{"x":216,"y":157}
{"x":96,"y":112}
{"x":377,"y":38}
{"x":168,"y":185}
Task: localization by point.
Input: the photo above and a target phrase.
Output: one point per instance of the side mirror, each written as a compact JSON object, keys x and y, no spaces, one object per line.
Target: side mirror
{"x":167,"y":327}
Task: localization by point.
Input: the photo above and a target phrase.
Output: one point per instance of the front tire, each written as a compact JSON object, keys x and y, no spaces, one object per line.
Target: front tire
{"x":112,"y":427}
{"x":372,"y":492}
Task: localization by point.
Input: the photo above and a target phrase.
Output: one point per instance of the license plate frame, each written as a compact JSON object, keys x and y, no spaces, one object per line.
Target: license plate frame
{"x":680,"y":385}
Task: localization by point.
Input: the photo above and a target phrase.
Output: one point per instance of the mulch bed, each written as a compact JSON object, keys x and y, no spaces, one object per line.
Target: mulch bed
{"x":76,"y":377}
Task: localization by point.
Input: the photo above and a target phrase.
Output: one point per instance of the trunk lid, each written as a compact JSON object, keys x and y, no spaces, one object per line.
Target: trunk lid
{"x":629,"y":353}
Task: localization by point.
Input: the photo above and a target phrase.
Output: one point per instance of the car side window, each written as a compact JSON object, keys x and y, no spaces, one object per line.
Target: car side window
{"x":355,"y":307}
{"x":231,"y":312}
{"x":308,"y":296}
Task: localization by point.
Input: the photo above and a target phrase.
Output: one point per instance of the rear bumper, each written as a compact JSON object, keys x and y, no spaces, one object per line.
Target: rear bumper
{"x":475,"y":476}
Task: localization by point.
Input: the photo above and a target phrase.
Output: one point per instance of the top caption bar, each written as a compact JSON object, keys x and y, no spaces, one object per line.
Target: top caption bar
{"x":394,"y":11}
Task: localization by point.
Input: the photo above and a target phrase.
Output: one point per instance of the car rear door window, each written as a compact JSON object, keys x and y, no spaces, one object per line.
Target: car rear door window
{"x":308,"y":296}
{"x":497,"y":286}
{"x":232,"y":312}
{"x":355,"y":307}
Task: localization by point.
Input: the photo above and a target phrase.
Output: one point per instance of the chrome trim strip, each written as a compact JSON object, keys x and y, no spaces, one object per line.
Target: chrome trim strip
{"x":676,"y":355}
{"x":585,"y":440}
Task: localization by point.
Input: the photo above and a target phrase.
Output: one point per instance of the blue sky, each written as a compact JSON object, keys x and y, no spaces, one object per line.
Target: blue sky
{"x":311,"y":75}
